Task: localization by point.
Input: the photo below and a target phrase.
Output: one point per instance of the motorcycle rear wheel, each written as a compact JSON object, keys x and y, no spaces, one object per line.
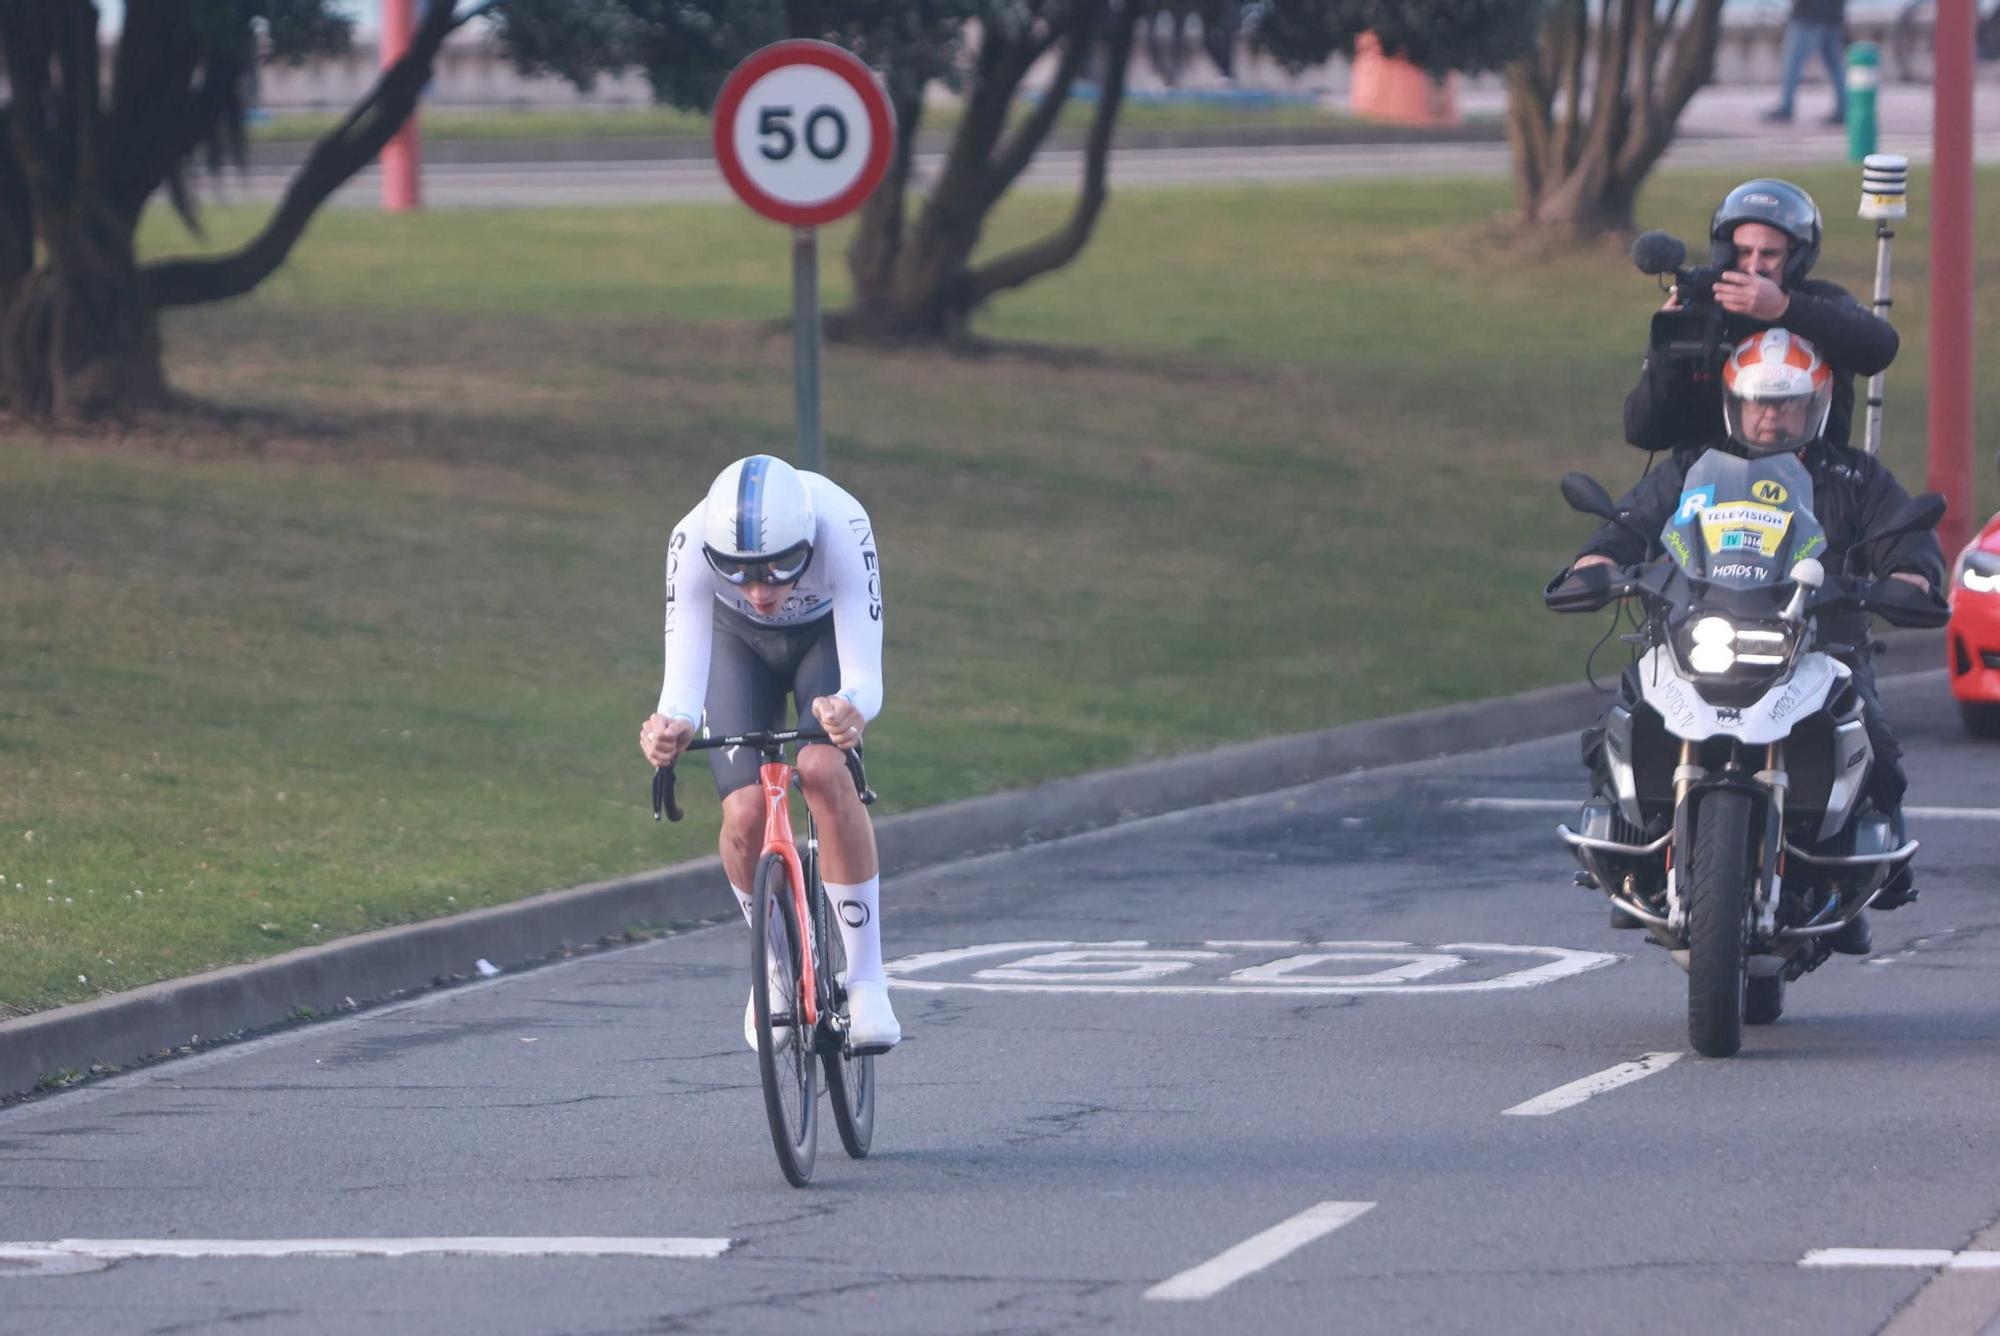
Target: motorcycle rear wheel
{"x":1720,"y":873}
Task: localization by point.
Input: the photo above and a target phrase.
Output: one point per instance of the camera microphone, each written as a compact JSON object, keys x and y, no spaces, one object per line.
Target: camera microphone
{"x":1658,"y":253}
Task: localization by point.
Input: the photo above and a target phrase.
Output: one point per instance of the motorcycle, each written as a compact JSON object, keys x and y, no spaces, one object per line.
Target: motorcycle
{"x":1729,"y":818}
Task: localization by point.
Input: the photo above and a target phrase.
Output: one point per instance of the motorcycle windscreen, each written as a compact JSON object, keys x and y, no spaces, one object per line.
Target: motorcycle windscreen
{"x":1744,"y":522}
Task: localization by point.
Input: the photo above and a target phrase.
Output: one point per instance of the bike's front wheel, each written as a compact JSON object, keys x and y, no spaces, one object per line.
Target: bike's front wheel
{"x":784,"y":1042}
{"x":850,"y":1081}
{"x":1720,"y":875}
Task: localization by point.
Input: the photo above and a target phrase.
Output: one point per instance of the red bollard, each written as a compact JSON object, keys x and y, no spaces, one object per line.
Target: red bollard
{"x":402,"y":156}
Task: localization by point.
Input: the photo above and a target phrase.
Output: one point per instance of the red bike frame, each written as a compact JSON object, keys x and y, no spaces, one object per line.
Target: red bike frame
{"x":777,"y":780}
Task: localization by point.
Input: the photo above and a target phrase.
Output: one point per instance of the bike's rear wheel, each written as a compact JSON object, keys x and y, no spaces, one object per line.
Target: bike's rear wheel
{"x":850,"y":1081}
{"x":1719,"y":879}
{"x":784,"y":1044}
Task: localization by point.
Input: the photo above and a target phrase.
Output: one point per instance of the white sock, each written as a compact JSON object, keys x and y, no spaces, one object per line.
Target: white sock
{"x":744,"y":900}
{"x":857,"y":912}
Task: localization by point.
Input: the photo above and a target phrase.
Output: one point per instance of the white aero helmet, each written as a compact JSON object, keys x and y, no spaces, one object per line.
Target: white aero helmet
{"x":1776,"y":393}
{"x":758,"y":525}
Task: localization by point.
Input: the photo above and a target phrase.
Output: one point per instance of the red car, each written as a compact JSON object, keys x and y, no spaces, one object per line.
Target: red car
{"x":1973,"y":636}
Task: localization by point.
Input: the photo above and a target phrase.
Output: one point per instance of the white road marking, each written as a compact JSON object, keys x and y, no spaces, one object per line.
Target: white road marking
{"x":1572,"y":804}
{"x":1926,"y":1259}
{"x":1259,"y":1251}
{"x":1099,"y":965}
{"x":1576,"y":1092}
{"x":114,"y":1250}
{"x":1561,"y":963}
{"x":1397,"y":967}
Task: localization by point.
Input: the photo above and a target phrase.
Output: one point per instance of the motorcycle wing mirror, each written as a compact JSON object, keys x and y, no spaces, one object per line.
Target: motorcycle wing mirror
{"x":1810,"y":575}
{"x":1584,"y":493}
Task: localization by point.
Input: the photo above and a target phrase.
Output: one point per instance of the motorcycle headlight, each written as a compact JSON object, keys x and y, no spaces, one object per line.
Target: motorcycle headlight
{"x":1712,"y":647}
{"x":1715,"y":645}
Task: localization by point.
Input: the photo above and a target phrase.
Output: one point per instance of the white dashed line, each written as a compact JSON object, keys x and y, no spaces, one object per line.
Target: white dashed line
{"x":1576,"y":1092}
{"x":1917,"y":1259}
{"x":117,"y":1250}
{"x":1259,"y":1251}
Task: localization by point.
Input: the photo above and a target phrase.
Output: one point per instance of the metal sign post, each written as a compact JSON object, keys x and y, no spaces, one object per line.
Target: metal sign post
{"x":803,"y":134}
{"x":805,"y":346}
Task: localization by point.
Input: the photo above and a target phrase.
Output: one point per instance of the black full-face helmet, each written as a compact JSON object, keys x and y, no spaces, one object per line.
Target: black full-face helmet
{"x":1779,"y":204}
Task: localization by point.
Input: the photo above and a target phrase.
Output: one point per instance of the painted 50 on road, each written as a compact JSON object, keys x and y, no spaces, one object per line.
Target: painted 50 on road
{"x":1242,"y":968}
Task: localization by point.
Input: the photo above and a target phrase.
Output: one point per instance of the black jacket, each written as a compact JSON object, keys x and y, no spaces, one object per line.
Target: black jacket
{"x":1668,"y":410}
{"x":1854,"y":494}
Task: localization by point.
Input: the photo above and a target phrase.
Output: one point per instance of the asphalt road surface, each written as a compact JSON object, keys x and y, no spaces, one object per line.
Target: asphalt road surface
{"x":1313,"y":1062}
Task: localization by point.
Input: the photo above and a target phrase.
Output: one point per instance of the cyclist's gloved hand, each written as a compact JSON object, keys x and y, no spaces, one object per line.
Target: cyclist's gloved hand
{"x":841,"y":720}
{"x":662,"y":739}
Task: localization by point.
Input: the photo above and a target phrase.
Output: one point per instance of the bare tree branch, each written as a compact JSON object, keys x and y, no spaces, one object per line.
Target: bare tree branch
{"x":1085,"y":21}
{"x":338,"y":155}
{"x":1692,"y":67}
{"x":29,"y":40}
{"x":1060,"y":247}
{"x":1569,"y":133}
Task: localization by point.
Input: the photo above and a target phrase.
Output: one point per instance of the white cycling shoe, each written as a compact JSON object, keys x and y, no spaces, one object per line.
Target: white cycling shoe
{"x":871,"y":1021}
{"x":781,"y":1037}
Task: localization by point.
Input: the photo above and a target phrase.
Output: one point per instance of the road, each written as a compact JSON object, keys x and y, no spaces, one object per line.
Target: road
{"x":1721,"y":126}
{"x":1061,"y":1153}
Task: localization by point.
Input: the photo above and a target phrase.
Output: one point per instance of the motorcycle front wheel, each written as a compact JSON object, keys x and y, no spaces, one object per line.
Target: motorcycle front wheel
{"x":1719,"y":924}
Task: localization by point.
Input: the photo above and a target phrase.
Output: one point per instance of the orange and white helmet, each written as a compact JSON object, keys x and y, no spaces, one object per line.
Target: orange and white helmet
{"x":1776,"y":393}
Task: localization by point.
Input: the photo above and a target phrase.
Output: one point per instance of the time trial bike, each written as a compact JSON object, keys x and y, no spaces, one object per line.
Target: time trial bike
{"x":797,"y":966}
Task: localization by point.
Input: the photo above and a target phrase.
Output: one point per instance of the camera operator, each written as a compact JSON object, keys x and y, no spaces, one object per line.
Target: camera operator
{"x":1765,"y":237}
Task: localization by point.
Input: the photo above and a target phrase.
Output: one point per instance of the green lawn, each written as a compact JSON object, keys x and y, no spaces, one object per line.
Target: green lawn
{"x":372,"y":644}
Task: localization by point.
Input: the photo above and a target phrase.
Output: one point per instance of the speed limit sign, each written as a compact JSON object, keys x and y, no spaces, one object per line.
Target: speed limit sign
{"x":803,"y":132}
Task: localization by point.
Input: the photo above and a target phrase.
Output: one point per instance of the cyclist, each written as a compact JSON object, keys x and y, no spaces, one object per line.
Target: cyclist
{"x":773,"y":586}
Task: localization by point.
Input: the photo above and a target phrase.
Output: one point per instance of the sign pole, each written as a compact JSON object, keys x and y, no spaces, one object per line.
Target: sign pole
{"x":805,"y":346}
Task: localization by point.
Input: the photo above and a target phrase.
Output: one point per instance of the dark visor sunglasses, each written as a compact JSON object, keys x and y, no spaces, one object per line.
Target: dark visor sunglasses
{"x":778,"y":569}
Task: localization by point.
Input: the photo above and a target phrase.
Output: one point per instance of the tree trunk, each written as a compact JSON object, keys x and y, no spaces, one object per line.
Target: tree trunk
{"x":79,"y":316}
{"x":1586,"y":133}
{"x":78,"y":340}
{"x":914,"y":276}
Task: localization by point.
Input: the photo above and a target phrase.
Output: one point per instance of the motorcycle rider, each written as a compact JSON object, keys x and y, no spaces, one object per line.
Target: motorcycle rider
{"x":784,"y":597}
{"x":1777,"y":394}
{"x":1766,"y":234}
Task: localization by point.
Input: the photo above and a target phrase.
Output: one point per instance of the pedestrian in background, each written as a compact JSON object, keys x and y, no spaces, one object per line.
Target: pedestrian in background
{"x":1815,"y":26}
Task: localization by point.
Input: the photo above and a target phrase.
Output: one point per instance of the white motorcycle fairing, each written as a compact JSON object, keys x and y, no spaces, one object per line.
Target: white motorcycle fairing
{"x":1769,"y":719}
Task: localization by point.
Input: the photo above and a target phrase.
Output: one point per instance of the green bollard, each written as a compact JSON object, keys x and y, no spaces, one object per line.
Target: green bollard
{"x":1864,"y":79}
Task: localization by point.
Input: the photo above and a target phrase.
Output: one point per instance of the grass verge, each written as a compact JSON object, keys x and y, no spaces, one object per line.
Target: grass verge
{"x":369,"y":643}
